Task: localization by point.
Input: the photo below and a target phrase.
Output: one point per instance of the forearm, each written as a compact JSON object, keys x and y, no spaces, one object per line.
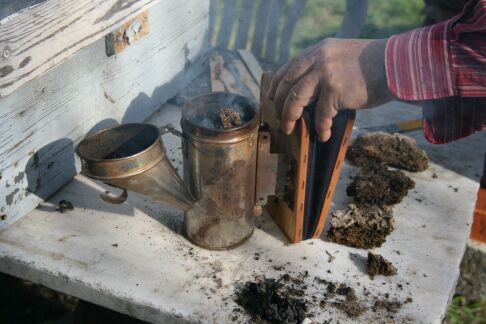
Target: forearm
{"x":443,"y":60}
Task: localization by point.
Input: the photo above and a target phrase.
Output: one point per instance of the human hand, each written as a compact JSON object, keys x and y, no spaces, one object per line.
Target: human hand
{"x":336,"y":73}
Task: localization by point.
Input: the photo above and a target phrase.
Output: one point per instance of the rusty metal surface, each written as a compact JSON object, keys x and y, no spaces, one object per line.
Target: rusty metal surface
{"x":219,"y":168}
{"x":267,"y":166}
{"x":132,"y":157}
{"x":126,"y":35}
{"x":220,"y":171}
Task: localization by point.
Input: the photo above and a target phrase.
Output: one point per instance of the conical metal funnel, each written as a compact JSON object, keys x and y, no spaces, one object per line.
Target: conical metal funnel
{"x":132,"y":157}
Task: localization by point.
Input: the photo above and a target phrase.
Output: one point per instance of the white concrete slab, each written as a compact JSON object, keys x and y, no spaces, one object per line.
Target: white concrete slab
{"x":132,"y":257}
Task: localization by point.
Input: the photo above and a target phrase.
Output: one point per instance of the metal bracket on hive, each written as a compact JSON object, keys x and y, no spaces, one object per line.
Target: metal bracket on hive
{"x":128,"y":34}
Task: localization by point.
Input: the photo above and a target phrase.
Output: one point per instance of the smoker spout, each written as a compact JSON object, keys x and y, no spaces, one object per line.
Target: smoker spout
{"x":132,"y":157}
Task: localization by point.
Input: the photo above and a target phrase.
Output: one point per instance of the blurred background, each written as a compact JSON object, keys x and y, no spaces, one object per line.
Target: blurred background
{"x":322,"y":18}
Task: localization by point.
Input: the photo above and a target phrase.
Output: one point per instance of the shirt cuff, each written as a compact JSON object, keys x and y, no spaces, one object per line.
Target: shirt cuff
{"x":418,"y":65}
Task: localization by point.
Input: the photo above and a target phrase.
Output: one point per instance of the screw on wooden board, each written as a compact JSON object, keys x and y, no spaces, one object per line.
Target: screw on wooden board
{"x":64,"y":205}
{"x":126,"y":35}
{"x":6,"y":52}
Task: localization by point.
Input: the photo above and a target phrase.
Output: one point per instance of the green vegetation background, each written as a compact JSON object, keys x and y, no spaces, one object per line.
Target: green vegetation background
{"x":322,"y":18}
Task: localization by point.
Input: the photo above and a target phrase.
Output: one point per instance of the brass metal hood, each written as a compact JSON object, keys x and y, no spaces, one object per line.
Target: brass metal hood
{"x":132,"y":157}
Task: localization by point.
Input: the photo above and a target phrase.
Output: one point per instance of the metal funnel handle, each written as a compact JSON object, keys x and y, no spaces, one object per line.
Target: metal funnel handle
{"x":109,"y":198}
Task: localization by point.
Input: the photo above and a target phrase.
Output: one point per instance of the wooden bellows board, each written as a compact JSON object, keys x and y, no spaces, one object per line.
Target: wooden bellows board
{"x":308,"y":170}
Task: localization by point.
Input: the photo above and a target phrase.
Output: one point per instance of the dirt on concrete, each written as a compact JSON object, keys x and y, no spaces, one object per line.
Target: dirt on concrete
{"x":230,"y":118}
{"x":291,"y":298}
{"x":376,"y":184}
{"x":361,"y":226}
{"x":351,"y":306}
{"x":391,"y":306}
{"x":378,"y":266}
{"x":273,"y":300}
{"x":395,"y":150}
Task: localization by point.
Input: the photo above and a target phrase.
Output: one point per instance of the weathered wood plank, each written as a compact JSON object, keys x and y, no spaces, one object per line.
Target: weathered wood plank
{"x":247,"y":79}
{"x":273,"y":26}
{"x":260,"y":27}
{"x":41,"y":122}
{"x":39,"y":38}
{"x":244,"y":20}
{"x":252,"y":65}
{"x":10,"y":7}
{"x":227,"y":23}
{"x":294,"y":13}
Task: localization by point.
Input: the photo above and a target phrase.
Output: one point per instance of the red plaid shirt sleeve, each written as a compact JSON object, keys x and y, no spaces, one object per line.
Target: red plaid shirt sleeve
{"x":443,"y":68}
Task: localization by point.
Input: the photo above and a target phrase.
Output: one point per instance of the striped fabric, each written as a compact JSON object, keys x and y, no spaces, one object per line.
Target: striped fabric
{"x":443,"y":67}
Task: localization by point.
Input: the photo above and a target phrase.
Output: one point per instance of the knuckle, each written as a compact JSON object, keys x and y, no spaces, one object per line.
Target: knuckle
{"x":293,"y":95}
{"x":288,"y":77}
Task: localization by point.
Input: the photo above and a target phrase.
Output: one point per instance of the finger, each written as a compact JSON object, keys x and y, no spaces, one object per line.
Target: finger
{"x":279,"y":76}
{"x":326,"y":109}
{"x":303,"y":93}
{"x":283,"y":90}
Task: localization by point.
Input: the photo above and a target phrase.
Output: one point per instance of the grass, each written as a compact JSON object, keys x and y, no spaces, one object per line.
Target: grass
{"x":322,"y":18}
{"x":463,"y":311}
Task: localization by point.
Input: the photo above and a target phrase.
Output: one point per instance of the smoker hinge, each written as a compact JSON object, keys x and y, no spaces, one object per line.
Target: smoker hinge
{"x":267,"y":165}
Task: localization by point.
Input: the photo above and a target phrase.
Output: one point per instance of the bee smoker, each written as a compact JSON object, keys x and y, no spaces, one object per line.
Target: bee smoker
{"x":229,"y":173}
{"x":218,"y":191}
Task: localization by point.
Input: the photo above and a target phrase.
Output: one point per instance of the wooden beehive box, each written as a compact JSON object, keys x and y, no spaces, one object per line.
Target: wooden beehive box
{"x":68,"y":67}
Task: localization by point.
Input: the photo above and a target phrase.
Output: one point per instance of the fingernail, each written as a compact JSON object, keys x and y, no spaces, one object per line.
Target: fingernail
{"x":322,"y":138}
{"x":286,"y":130}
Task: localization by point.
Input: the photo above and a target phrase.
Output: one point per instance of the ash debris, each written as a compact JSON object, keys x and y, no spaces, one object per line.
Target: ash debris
{"x":273,"y":301}
{"x":395,"y":150}
{"x":376,"y":188}
{"x":378,"y":265}
{"x":230,"y":118}
{"x":293,"y":298}
{"x":363,"y":226}
{"x":376,"y":184}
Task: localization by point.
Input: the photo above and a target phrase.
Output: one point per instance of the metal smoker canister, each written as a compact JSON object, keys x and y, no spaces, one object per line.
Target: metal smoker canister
{"x":219,"y":170}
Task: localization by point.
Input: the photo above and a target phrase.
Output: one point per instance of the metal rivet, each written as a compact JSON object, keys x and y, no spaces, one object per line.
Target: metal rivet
{"x":6,"y":52}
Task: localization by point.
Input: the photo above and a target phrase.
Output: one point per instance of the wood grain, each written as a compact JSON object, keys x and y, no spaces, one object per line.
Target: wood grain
{"x":251,"y":64}
{"x":294,"y":146}
{"x":41,"y":37}
{"x":41,"y":122}
{"x":247,"y":79}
